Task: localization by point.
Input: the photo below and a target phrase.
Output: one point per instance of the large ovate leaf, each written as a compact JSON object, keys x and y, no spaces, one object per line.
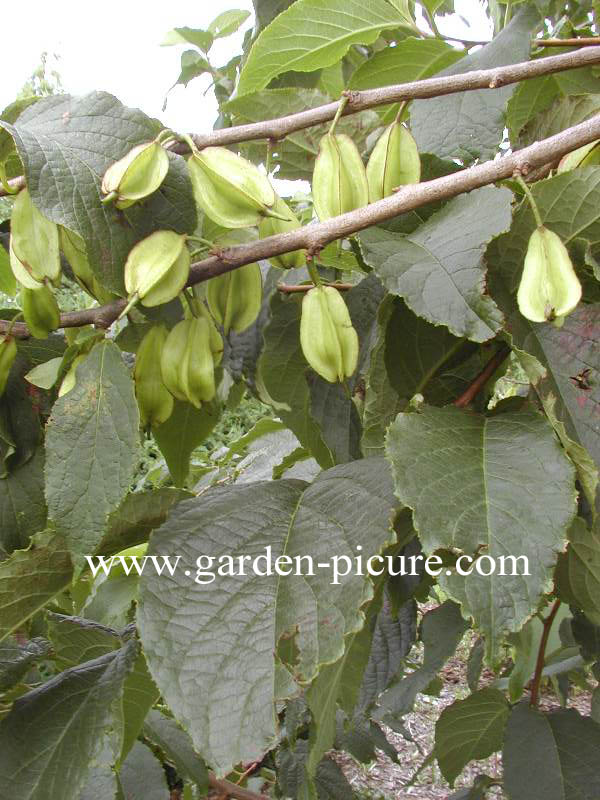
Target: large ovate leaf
{"x":438,"y":269}
{"x":470,"y":729}
{"x":92,"y":430}
{"x":469,"y":125}
{"x":142,"y":776}
{"x":17,"y":659}
{"x":551,"y":755}
{"x":30,"y":578}
{"x":37,"y":760}
{"x":75,"y":640}
{"x":313,"y":34}
{"x":177,"y":746}
{"x":503,"y":461}
{"x":582,"y":565}
{"x":197,"y":648}
{"x":66,"y":144}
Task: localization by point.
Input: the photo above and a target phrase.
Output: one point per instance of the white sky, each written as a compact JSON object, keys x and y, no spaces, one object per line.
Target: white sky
{"x":114,"y":45}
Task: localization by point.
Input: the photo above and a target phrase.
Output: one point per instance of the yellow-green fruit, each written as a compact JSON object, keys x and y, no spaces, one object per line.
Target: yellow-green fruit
{"x":586,"y":156}
{"x":69,"y":381}
{"x":339,"y":178}
{"x":40,"y":311}
{"x":157,"y":268}
{"x":327,"y":337}
{"x":154,"y":400}
{"x":187,"y":363}
{"x":270,"y":226}
{"x":394,"y":162}
{"x":8,"y":353}
{"x":74,"y":250}
{"x":215,"y":340}
{"x":136,"y":175}
{"x":549,"y":287}
{"x":229,"y":189}
{"x":234,"y":299}
{"x":35,"y":255}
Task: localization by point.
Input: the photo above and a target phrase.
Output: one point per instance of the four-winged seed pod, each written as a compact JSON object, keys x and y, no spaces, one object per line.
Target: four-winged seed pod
{"x":339,"y":178}
{"x":34,"y":251}
{"x":40,"y":311}
{"x":234,"y":298}
{"x":394,"y":162}
{"x":155,"y":402}
{"x":136,"y":175}
{"x":187,"y":362}
{"x":8,"y":353}
{"x":229,"y":189}
{"x":327,"y":337}
{"x":549,"y":287}
{"x":270,"y":226}
{"x":156,"y":269}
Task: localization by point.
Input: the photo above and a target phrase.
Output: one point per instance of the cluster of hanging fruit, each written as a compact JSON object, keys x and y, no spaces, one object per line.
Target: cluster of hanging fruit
{"x":180,"y":364}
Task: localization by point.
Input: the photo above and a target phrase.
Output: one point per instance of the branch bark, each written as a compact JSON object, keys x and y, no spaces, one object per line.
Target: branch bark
{"x":232,"y":789}
{"x":541,"y":656}
{"x":471,"y":392}
{"x":313,"y":238}
{"x":581,"y":41}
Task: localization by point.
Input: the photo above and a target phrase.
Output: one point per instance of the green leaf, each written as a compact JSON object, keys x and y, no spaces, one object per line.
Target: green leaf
{"x":75,"y":640}
{"x":200,"y":665}
{"x":551,"y":755}
{"x":441,"y":631}
{"x":37,"y":760}
{"x":469,"y":730}
{"x":410,"y":60}
{"x":137,"y":516}
{"x":438,"y":269}
{"x":17,"y":659}
{"x":45,"y":375}
{"x":470,"y":125}
{"x":142,"y":776}
{"x":186,"y":428}
{"x":561,"y":114}
{"x":267,"y":10}
{"x":196,"y":36}
{"x":192,"y":66}
{"x":503,"y":461}
{"x":8,"y":284}
{"x":536,"y":95}
{"x":313,"y":34}
{"x":228,"y":22}
{"x":30,"y":578}
{"x":177,"y":746}
{"x":22,"y":505}
{"x":66,"y":144}
{"x":583,"y":568}
{"x":92,"y":428}
{"x":139,"y":695}
{"x":295,"y":155}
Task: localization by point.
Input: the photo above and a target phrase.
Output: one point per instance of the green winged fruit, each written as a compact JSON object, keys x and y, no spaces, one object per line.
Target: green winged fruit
{"x":70,"y":379}
{"x":34,"y":247}
{"x":74,"y":251}
{"x":235,"y":298}
{"x":270,"y":226}
{"x":135,"y":176}
{"x":339,"y":178}
{"x":327,"y":336}
{"x":40,"y":311}
{"x":155,"y":402}
{"x":229,"y":189}
{"x":394,"y":162}
{"x":8,"y":353}
{"x":586,"y":156}
{"x":549,"y":287}
{"x":157,"y":269}
{"x":187,"y":362}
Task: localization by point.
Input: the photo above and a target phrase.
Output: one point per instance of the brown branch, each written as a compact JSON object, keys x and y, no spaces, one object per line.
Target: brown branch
{"x":582,"y":41}
{"x":313,"y":238}
{"x":422,"y":89}
{"x":286,"y":288}
{"x":480,"y":380}
{"x":541,"y":656}
{"x":14,"y":183}
{"x":232,"y":789}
